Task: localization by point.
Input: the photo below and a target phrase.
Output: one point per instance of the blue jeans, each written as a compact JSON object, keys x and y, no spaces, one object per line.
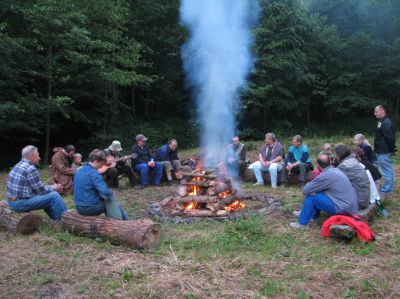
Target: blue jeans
{"x":273,"y":169}
{"x":313,"y":204}
{"x":97,"y":210}
{"x":52,"y":203}
{"x":385,"y":166}
{"x":143,"y":169}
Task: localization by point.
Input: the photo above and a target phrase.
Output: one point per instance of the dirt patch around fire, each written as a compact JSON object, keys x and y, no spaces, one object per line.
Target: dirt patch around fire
{"x":255,"y":257}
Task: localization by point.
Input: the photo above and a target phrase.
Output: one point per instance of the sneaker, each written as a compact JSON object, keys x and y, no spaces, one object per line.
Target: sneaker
{"x":297,"y":225}
{"x":296,"y":213}
{"x":258,"y":184}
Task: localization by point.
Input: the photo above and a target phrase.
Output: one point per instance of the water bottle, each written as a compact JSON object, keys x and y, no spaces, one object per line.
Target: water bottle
{"x":381,"y":209}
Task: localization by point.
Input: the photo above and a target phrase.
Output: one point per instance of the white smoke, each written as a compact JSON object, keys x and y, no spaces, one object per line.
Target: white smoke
{"x":217,"y":61}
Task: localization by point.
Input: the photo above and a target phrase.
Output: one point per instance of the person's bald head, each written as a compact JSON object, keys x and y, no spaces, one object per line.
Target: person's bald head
{"x":323,"y":160}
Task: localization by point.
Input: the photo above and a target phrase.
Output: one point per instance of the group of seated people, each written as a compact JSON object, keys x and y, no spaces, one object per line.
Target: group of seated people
{"x":90,"y":184}
{"x":344,"y":180}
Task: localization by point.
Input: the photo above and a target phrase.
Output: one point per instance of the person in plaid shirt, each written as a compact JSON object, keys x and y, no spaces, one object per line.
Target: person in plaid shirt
{"x":25,"y":191}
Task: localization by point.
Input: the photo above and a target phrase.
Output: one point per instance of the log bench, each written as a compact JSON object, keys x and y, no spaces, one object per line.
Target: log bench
{"x":21,"y":223}
{"x":140,"y":234}
{"x":249,"y":176}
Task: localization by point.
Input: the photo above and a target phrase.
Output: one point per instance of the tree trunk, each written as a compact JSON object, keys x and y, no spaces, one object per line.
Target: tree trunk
{"x":22,"y":223}
{"x":141,"y":234}
{"x":133,"y":102}
{"x":49,"y":101}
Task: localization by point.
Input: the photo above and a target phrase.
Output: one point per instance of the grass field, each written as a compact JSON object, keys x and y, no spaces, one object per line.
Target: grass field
{"x":258,"y":257}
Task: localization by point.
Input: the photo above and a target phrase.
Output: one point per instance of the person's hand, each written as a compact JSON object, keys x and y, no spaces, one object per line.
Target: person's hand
{"x":289,"y":167}
{"x":151,"y":163}
{"x":58,"y":187}
{"x":267,"y":163}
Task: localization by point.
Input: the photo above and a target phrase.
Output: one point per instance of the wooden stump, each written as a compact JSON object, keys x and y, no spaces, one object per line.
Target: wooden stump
{"x":342,"y":231}
{"x":292,"y":179}
{"x":22,"y":223}
{"x":141,"y":234}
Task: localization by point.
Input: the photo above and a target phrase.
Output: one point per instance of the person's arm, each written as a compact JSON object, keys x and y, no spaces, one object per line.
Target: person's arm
{"x":290,"y":157}
{"x":304,"y":157}
{"x":319,"y":184}
{"x":278,"y":158}
{"x":101,"y":186}
{"x":58,"y":164}
{"x":35,"y":183}
{"x":135,"y":155}
{"x":389,"y":136}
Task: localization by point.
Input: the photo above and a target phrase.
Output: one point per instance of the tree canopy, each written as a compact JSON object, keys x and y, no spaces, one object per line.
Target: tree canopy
{"x":87,"y":72}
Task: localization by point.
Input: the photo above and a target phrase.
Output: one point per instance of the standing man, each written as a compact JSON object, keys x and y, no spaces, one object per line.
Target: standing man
{"x":25,"y":191}
{"x":167,"y":155}
{"x":385,"y":147}
{"x":298,"y":160}
{"x":61,"y":171}
{"x":143,"y":161}
{"x":269,"y":159}
{"x":121,"y":166}
{"x":236,"y":158}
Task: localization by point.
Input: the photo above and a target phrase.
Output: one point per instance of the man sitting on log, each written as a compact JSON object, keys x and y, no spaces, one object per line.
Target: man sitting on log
{"x":121,"y":167}
{"x":270,"y":159}
{"x":92,"y":196}
{"x":25,"y":191}
{"x":330,"y":192}
{"x":167,"y":155}
{"x":61,"y":171}
{"x":236,"y":158}
{"x":143,"y":161}
{"x":297,"y":160}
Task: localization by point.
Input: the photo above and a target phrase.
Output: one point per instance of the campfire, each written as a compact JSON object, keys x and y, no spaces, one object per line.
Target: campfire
{"x":204,"y":193}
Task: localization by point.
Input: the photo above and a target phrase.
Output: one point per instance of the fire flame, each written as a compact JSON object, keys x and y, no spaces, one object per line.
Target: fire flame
{"x":196,"y":189}
{"x":192,"y":205}
{"x":236,"y":205}
{"x":224,"y":194}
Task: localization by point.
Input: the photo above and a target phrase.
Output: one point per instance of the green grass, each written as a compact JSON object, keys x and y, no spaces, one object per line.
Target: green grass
{"x":257,"y":257}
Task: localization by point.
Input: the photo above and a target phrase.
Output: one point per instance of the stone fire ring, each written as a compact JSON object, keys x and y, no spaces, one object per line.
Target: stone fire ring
{"x":257,"y":204}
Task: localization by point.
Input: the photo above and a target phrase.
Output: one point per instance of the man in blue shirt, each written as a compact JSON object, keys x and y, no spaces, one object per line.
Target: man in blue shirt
{"x":91,"y":194}
{"x":25,"y":191}
{"x":297,"y":160}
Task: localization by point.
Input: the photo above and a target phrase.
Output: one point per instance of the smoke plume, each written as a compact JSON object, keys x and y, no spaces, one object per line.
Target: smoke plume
{"x":217,"y":61}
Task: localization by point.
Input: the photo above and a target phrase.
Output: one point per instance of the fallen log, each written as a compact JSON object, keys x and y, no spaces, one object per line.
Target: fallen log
{"x":249,"y":176}
{"x":22,"y":223}
{"x":141,"y":234}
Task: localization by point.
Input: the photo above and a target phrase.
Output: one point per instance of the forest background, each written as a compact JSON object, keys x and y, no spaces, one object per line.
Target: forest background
{"x":88,"y":72}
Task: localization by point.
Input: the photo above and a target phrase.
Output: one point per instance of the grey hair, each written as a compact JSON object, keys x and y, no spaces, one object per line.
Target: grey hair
{"x":270,"y":136}
{"x":362,"y":138}
{"x":27,"y":150}
{"x":77,"y":155}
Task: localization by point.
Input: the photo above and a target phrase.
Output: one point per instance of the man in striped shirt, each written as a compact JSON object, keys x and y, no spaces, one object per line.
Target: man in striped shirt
{"x":25,"y":191}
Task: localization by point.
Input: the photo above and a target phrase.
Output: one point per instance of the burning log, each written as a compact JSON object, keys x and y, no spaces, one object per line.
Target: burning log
{"x":200,"y":213}
{"x":22,"y":223}
{"x":197,"y":199}
{"x":141,"y":234}
{"x":198,"y":183}
{"x":212,"y":191}
{"x":199,"y":175}
{"x":226,"y":201}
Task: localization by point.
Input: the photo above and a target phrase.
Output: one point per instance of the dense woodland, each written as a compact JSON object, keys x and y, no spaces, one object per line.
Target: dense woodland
{"x":87,"y":72}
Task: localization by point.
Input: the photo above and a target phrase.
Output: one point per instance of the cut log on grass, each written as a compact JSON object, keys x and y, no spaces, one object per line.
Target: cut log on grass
{"x":249,"y":176}
{"x":342,"y":231}
{"x":141,"y":234}
{"x":22,"y":223}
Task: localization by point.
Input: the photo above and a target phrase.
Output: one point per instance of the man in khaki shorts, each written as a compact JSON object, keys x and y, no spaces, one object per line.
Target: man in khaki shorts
{"x":167,"y":155}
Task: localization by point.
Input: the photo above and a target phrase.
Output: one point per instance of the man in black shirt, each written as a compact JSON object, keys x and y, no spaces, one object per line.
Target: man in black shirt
{"x":385,"y":147}
{"x":143,"y":161}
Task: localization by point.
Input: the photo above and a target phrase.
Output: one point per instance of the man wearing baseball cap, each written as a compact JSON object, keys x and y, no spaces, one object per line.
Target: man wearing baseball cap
{"x":143,"y":161}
